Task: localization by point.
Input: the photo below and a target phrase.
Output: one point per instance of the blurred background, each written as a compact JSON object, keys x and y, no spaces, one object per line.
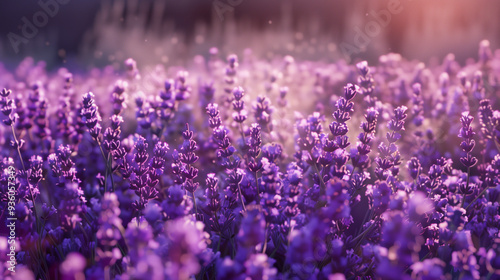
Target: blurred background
{"x":90,"y":33}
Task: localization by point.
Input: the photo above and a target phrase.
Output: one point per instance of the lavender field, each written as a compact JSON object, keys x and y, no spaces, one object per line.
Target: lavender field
{"x":250,"y":166}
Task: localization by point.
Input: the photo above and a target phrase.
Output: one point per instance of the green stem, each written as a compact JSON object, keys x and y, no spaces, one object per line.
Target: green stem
{"x":364,"y":234}
{"x":194,"y":203}
{"x":466,"y":187}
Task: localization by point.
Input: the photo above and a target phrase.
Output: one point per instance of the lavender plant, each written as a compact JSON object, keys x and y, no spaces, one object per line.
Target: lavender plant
{"x":98,"y":193}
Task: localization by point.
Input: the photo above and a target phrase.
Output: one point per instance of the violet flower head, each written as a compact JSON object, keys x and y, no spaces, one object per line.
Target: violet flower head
{"x":111,"y":135}
{"x":468,"y":143}
{"x":145,"y":114}
{"x":390,"y":158}
{"x":344,"y":108}
{"x":485,"y":53}
{"x":253,"y":153}
{"x":282,"y":102}
{"x":142,"y":179}
{"x":417,"y":109}
{"x":490,"y":121}
{"x":187,"y":158}
{"x":158,"y":161}
{"x":361,"y":159}
{"x":206,"y":93}
{"x":396,"y":124}
{"x":365,"y":80}
{"x":337,"y":207}
{"x":272,"y":151}
{"x":252,"y":231}
{"x":35,"y":171}
{"x":118,"y":97}
{"x":131,"y":68}
{"x":109,"y":233}
{"x":414,"y":167}
{"x":62,"y":166}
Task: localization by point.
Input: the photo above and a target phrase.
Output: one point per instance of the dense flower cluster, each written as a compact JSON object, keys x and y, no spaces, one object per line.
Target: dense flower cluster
{"x":228,"y":173}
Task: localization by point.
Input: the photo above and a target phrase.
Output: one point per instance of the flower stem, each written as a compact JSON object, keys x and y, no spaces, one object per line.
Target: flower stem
{"x":264,"y":248}
{"x":466,"y":187}
{"x":106,"y":161}
{"x":109,"y":170}
{"x":194,"y":203}
{"x":364,"y":233}
{"x":37,"y":221}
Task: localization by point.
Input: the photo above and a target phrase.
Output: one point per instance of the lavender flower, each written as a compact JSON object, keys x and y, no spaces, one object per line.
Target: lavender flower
{"x":118,"y":97}
{"x":212,"y":193}
{"x":140,"y":180}
{"x":240,"y":114}
{"x":230,"y":72}
{"x":360,"y":157}
{"x":275,"y":202}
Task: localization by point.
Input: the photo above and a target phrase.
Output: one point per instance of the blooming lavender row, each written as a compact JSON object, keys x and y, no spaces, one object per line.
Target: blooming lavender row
{"x":225,"y":170}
